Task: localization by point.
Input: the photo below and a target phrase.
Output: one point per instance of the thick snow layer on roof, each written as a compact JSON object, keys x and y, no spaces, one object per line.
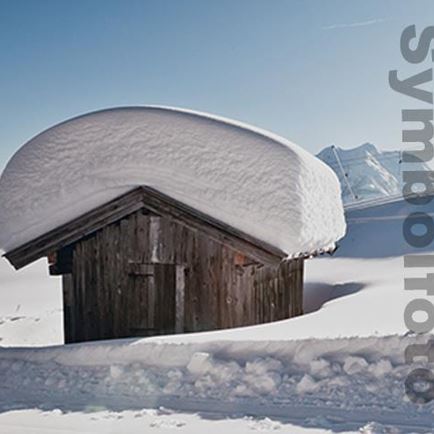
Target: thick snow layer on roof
{"x":253,"y":180}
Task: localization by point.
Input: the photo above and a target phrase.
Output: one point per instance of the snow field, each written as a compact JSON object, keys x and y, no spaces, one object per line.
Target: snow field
{"x":160,"y":421}
{"x":294,"y":376}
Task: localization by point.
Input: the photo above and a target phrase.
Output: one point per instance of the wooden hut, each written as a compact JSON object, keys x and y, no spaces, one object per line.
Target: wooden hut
{"x":222,"y":247}
{"x":145,"y":264}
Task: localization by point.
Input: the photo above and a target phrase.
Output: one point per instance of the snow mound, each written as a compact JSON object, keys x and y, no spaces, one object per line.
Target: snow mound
{"x":248,"y":178}
{"x":365,"y":173}
{"x":306,"y":381}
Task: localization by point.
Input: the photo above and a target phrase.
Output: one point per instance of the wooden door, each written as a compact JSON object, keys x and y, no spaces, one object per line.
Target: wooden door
{"x":152,"y":298}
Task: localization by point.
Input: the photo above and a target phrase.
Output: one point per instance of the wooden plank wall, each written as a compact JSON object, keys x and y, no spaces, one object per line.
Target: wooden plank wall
{"x":124,"y":283}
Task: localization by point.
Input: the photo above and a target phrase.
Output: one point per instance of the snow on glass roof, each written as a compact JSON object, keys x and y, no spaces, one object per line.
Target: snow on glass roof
{"x":246,"y":177}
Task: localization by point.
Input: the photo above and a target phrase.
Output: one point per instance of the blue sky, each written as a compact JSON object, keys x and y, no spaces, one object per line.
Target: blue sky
{"x":312,"y":71}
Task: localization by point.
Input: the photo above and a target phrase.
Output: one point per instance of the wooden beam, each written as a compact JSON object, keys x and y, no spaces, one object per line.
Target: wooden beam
{"x":76,"y":229}
{"x":62,"y":263}
{"x":155,"y":202}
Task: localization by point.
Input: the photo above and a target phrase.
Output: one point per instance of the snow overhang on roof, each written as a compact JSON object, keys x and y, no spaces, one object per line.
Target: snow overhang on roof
{"x":245,"y":177}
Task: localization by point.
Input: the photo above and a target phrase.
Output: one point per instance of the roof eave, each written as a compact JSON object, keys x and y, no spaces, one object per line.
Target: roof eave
{"x":155,"y":201}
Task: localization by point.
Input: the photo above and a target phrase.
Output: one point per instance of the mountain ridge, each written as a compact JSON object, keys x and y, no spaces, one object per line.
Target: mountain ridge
{"x":365,"y":172}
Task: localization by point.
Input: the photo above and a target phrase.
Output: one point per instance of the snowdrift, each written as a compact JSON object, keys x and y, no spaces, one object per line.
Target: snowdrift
{"x":253,"y":180}
{"x":329,"y":382}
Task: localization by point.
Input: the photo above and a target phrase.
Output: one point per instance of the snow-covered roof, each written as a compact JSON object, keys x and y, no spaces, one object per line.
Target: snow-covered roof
{"x":246,"y":177}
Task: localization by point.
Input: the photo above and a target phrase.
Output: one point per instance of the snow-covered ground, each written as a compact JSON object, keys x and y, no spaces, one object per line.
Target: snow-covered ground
{"x":161,"y":421}
{"x":30,"y":306}
{"x":340,"y":384}
{"x":338,"y":368}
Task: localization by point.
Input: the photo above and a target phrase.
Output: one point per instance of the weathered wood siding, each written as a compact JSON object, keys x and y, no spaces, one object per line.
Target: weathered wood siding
{"x":146,"y":275}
